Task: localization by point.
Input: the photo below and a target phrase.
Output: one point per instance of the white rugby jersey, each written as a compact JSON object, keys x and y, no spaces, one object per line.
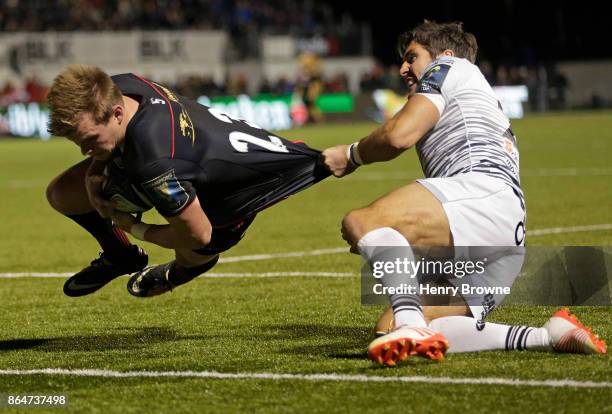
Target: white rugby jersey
{"x":472,"y":134}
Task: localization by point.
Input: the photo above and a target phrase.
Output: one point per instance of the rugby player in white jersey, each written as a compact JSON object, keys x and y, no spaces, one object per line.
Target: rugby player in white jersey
{"x":471,"y":196}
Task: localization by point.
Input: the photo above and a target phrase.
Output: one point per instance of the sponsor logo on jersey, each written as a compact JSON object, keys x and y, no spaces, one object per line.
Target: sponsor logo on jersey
{"x":432,"y":80}
{"x":185,"y":123}
{"x":432,"y":71}
{"x":186,"y":126}
{"x":166,"y":192}
{"x":168,"y":93}
{"x":508,"y":146}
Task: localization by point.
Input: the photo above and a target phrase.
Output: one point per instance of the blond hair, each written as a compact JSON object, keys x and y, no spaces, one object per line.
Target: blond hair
{"x":79,"y":90}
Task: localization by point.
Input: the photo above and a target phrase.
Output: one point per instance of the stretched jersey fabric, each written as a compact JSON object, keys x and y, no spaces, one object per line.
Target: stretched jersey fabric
{"x":473,"y":134}
{"x":176,"y":149}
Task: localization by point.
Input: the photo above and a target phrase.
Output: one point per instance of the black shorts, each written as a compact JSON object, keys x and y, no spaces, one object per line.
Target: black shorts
{"x":224,"y":238}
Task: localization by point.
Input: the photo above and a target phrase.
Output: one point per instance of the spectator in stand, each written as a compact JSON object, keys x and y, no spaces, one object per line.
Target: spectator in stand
{"x":487,"y":71}
{"x":282,"y":86}
{"x":264,"y":86}
{"x":237,"y":85}
{"x":10,"y":94}
{"x":310,"y":84}
{"x":394,"y":82}
{"x":558,"y":86}
{"x":37,"y":92}
{"x":338,"y":84}
{"x":501,"y":76}
{"x":517,"y":75}
{"x":373,"y":80}
{"x":245,"y":20}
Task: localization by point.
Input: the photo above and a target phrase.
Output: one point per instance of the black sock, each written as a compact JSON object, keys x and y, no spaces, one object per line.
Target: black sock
{"x":179,"y":274}
{"x":112,"y":239}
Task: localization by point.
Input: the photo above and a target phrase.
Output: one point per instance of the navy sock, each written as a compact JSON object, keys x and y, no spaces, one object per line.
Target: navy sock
{"x":179,"y":274}
{"x":112,"y":239}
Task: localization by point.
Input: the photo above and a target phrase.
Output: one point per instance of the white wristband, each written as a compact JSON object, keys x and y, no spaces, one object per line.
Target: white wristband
{"x":138,"y":230}
{"x":353,"y":154}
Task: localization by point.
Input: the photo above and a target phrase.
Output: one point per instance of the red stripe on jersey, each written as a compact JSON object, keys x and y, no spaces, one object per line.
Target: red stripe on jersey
{"x":167,"y":102}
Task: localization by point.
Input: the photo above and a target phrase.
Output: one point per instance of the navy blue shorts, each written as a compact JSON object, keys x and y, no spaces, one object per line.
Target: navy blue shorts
{"x":224,"y":238}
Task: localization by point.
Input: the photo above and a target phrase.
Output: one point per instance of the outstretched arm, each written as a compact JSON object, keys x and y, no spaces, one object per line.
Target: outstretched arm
{"x":404,"y":130}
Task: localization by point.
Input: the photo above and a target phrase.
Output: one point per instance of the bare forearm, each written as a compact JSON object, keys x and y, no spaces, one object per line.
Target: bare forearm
{"x":401,"y":132}
{"x":377,"y":147}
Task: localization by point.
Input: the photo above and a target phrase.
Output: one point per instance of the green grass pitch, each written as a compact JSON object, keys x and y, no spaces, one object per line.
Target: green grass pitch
{"x":283,"y":325}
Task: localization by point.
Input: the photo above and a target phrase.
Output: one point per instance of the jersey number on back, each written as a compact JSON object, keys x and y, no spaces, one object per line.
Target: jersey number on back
{"x":240,"y":140}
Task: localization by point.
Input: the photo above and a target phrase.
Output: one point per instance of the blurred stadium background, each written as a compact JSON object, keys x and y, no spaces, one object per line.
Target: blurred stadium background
{"x":289,"y":62}
{"x":324,"y":72}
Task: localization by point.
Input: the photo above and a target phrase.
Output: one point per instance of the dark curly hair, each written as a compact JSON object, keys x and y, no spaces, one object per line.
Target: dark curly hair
{"x":437,"y":37}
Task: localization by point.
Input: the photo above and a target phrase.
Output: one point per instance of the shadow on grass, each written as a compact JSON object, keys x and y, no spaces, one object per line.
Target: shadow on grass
{"x":312,"y":331}
{"x":127,"y":338}
{"x":341,"y":342}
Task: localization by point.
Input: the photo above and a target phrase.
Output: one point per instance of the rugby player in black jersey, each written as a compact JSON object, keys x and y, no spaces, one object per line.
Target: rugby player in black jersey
{"x":207,"y":174}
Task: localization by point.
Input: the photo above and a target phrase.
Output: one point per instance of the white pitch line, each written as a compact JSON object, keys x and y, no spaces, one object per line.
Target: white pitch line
{"x":567,"y":172}
{"x":564,"y":383}
{"x":234,"y":259}
{"x":279,"y":274}
{"x":213,"y":275}
{"x":19,"y":275}
{"x":563,"y":230}
{"x":253,"y":257}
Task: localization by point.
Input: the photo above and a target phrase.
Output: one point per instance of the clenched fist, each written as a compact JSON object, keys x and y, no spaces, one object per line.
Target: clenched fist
{"x":337,"y":162}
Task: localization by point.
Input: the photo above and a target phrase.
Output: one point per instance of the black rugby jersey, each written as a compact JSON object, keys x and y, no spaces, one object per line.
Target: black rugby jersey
{"x":176,"y":149}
